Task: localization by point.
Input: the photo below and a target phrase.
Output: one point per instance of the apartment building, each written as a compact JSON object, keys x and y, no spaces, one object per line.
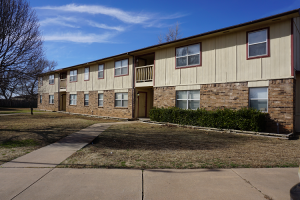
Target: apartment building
{"x":254,"y":64}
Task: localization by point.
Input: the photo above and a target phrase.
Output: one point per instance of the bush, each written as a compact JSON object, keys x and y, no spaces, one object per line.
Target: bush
{"x":247,"y":119}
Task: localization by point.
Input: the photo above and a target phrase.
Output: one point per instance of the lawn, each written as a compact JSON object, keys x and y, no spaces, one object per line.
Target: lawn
{"x":23,"y":133}
{"x":146,"y":146}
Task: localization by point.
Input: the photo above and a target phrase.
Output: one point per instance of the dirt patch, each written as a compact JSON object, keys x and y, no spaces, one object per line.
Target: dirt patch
{"x":21,"y":134}
{"x":145,"y":146}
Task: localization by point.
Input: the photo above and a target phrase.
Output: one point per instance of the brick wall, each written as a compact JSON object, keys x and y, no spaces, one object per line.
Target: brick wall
{"x":108,"y":108}
{"x":164,"y":97}
{"x":45,"y":102}
{"x":229,"y":95}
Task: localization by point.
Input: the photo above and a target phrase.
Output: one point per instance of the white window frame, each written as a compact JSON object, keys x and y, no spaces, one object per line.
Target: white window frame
{"x":122,"y":100}
{"x":121,"y":67}
{"x":41,"y":81}
{"x":73,"y":99}
{"x":266,"y":41}
{"x":101,"y":70}
{"x":100,"y":99}
{"x":51,"y":99}
{"x":86,"y":99}
{"x":260,"y":98}
{"x":73,"y":76}
{"x":51,"y":79}
{"x":187,"y":100}
{"x":188,"y":56}
{"x":86,"y":73}
{"x":41,"y":98}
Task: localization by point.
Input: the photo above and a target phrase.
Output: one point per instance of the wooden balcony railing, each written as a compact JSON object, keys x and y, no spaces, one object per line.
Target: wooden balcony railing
{"x":63,"y":84}
{"x":144,"y":74}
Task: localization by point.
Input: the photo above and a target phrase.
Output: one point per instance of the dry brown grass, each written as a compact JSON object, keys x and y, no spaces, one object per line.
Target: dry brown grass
{"x":21,"y":134}
{"x":145,"y":146}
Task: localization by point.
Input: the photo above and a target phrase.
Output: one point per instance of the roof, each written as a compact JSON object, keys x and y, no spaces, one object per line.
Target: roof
{"x":296,"y":11}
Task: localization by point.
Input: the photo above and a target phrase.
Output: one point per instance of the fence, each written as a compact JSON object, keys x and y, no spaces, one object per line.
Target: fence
{"x":17,"y":103}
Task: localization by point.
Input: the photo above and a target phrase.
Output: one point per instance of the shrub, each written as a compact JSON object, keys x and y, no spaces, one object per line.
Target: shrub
{"x":247,"y":119}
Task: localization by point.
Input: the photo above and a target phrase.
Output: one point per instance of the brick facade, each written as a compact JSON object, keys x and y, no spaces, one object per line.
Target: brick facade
{"x":108,"y":108}
{"x":45,"y":102}
{"x":164,"y":97}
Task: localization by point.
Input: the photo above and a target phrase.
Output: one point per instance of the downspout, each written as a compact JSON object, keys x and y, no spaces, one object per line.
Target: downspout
{"x":133,"y":86}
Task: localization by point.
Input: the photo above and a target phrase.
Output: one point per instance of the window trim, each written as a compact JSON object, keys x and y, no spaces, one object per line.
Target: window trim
{"x":50,"y":99}
{"x":268,"y":44}
{"x":189,"y":66}
{"x":76,"y":75}
{"x":121,"y":100}
{"x":84,"y":99}
{"x":102,"y":100}
{"x":52,"y":79}
{"x":84,"y":74}
{"x":186,"y":99}
{"x":41,"y":81}
{"x":103,"y":71}
{"x":121,"y":70}
{"x":75,"y":100}
{"x":259,"y":98}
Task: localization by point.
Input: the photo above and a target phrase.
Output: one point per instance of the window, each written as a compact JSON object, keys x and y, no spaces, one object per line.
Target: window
{"x":258,"y":43}
{"x":100,"y":100}
{"x":73,"y":75}
{"x":51,"y":79}
{"x":41,"y":81}
{"x":188,"y":99}
{"x":86,"y":99}
{"x":41,"y":98}
{"x":121,"y":67}
{"x":258,"y":99}
{"x":73,"y":99}
{"x":51,"y":99}
{"x":188,"y":56}
{"x":121,"y":100}
{"x":101,"y":71}
{"x":86,"y":73}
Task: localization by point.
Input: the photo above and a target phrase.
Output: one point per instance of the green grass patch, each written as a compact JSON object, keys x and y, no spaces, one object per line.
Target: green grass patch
{"x":19,"y":143}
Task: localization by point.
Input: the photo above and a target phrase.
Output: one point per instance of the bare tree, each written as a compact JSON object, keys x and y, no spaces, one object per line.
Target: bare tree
{"x":172,"y":34}
{"x":20,"y":43}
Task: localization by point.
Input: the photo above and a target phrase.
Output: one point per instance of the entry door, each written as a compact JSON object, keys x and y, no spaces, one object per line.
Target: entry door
{"x":63,"y":98}
{"x":142,"y":104}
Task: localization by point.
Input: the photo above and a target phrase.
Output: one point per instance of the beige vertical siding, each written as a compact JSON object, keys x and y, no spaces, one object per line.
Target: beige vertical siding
{"x":224,"y":59}
{"x":108,"y":83}
{"x":46,"y":87}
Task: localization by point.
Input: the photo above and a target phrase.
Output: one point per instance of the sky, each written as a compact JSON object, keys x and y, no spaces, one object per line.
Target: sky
{"x":77,"y":31}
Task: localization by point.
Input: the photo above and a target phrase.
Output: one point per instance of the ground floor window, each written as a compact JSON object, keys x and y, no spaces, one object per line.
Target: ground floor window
{"x":189,"y":99}
{"x":73,"y":99}
{"x":51,"y":99}
{"x":121,"y":99}
{"x":86,"y":99}
{"x":258,"y":98}
{"x":41,"y":98}
{"x":100,"y":100}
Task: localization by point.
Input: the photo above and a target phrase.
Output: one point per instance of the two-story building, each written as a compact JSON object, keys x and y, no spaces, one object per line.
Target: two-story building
{"x":254,"y":64}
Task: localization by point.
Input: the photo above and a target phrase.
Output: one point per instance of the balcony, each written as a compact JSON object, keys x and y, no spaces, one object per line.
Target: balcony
{"x":144,"y":76}
{"x":63,"y":85}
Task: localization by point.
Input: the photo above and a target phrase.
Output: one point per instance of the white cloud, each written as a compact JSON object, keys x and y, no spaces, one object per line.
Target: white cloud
{"x":126,"y":17}
{"x":79,"y":37}
{"x":104,"y":26}
{"x":59,"y":21}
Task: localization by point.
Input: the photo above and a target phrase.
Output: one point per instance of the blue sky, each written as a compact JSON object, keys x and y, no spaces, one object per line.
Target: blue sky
{"x":77,"y":31}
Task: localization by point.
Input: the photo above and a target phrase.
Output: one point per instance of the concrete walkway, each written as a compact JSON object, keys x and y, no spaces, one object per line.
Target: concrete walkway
{"x":34,"y":176}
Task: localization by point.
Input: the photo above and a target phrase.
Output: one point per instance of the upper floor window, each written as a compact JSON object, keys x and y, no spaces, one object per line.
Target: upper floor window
{"x":101,"y":71}
{"x":188,"y":56}
{"x":121,"y":67}
{"x":73,"y":75}
{"x":86,"y":73}
{"x":51,"y":99}
{"x":41,"y":98}
{"x":189,"y":99}
{"x":86,"y":99}
{"x":51,"y":79}
{"x":121,"y":100}
{"x":73,"y":99}
{"x":258,"y":43}
{"x":258,"y":98}
{"x":41,"y":81}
